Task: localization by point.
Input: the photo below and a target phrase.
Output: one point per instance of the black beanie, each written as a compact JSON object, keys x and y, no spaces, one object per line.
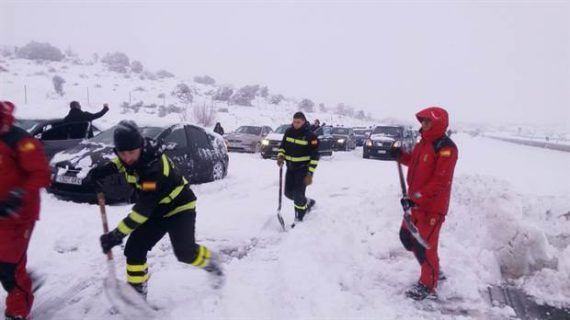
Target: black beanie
{"x":127,"y":136}
{"x":74,"y":105}
{"x":299,"y":115}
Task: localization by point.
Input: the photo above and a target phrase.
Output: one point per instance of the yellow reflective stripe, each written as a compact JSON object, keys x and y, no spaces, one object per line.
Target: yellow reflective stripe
{"x":137,"y":279}
{"x":301,"y":207}
{"x":297,"y":159}
{"x":165,"y":166}
{"x":131,"y":179}
{"x":173,"y":194}
{"x":297,"y":141}
{"x":137,"y":268}
{"x":311,"y":169}
{"x":137,"y":217}
{"x":281,"y":150}
{"x":315,"y":162}
{"x":188,"y":206}
{"x":203,"y":257}
{"x":124,"y":229}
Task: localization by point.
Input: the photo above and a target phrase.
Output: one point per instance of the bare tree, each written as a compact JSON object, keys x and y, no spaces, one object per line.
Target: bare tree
{"x":204,"y":115}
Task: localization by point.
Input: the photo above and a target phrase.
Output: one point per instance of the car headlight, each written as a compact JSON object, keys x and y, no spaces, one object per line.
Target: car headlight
{"x":340,"y":141}
{"x":265,"y":142}
{"x":369,"y":143}
{"x":397,"y":144}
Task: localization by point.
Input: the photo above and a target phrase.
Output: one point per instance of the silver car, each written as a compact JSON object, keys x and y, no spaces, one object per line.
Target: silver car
{"x":247,"y":138}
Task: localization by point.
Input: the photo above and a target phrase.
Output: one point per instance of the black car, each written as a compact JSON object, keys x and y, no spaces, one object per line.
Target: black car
{"x":200,"y":155}
{"x":55,"y":133}
{"x":380,"y":143}
{"x":361,"y":135}
{"x":270,"y":145}
{"x":344,"y":139}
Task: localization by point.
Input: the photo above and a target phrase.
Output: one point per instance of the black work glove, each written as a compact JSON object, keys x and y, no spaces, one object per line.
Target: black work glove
{"x":407,"y":204}
{"x":111,"y":239}
{"x":12,"y":204}
{"x":95,"y":178}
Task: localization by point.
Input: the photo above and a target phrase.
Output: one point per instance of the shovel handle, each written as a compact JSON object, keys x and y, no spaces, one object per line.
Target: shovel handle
{"x":103,"y":210}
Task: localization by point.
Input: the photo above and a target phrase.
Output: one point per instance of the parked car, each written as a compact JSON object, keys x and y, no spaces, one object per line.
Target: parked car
{"x":270,"y":145}
{"x":247,"y":138}
{"x":345,"y":139}
{"x":55,"y":133}
{"x":361,"y":135}
{"x":201,"y":156}
{"x":382,"y":139}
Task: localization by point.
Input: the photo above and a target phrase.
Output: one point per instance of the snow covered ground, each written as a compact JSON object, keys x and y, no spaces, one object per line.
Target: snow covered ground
{"x":345,"y":261}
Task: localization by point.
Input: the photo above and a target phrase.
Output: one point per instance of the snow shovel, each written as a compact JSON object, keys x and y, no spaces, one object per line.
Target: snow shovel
{"x":129,"y":303}
{"x":279,"y":216}
{"x":407,"y":214}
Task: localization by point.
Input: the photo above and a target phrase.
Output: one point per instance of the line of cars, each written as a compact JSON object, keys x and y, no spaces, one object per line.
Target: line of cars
{"x":199,"y":153}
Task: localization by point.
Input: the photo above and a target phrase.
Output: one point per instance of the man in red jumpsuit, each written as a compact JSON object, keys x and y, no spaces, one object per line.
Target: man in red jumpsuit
{"x":430,"y":173}
{"x":24,"y":170}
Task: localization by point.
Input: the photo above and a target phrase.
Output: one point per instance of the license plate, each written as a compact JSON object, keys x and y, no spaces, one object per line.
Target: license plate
{"x":382,"y":151}
{"x":69,"y":180}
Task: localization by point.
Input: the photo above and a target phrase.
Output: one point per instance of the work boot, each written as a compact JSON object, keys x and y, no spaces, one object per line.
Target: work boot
{"x":214,"y":269}
{"x":419,"y":292}
{"x":141,"y":288}
{"x":8,"y":317}
{"x":311,"y":203}
{"x":441,"y":276}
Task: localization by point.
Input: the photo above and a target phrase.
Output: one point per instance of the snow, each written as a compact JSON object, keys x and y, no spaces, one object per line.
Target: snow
{"x":345,"y":261}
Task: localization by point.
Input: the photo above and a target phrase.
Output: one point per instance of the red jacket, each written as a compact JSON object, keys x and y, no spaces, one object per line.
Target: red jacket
{"x":23,"y":164}
{"x":431,"y":164}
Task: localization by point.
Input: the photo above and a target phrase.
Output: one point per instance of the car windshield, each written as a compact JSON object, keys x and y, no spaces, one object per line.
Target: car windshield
{"x":27,"y":125}
{"x":388,"y":131}
{"x":249,"y":130}
{"x":340,"y":131}
{"x":282,"y":128}
{"x":106,"y":137}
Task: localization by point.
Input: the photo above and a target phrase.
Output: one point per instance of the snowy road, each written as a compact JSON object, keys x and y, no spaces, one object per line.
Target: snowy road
{"x":345,"y":261}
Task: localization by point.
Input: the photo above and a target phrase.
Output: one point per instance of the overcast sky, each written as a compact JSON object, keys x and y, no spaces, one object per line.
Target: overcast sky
{"x":499,"y":61}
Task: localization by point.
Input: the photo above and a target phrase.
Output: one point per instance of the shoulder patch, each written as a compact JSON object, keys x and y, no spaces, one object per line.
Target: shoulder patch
{"x":149,"y":185}
{"x":445,"y":153}
{"x":27,"y":146}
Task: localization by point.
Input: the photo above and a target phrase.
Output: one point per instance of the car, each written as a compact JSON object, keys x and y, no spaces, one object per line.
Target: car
{"x":361,"y":135}
{"x":200,"y":155}
{"x":55,"y":133}
{"x":345,"y":139}
{"x":381,"y":141}
{"x":247,"y":138}
{"x":270,"y":145}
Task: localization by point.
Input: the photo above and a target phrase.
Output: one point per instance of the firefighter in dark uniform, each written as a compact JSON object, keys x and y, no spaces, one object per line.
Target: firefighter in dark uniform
{"x":165,"y":204}
{"x":300,"y":150}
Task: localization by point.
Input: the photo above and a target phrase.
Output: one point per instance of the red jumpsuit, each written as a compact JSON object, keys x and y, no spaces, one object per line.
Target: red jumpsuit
{"x":430,"y":173}
{"x":23,"y":165}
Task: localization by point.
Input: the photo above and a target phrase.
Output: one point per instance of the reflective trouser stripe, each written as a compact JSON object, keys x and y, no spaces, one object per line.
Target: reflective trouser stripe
{"x":137,"y":279}
{"x":137,"y":273}
{"x":312,"y":169}
{"x":165,"y":166}
{"x":137,"y":217}
{"x":189,"y":206}
{"x":137,"y":267}
{"x":314,"y":162}
{"x":124,"y":229}
{"x":303,"y":207}
{"x":203,"y":257}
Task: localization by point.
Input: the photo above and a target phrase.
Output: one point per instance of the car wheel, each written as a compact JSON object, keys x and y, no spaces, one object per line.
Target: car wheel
{"x":366,"y":155}
{"x":218,"y":171}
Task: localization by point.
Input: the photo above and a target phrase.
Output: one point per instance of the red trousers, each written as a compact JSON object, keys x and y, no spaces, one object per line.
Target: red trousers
{"x":14,"y":240}
{"x":429,"y":225}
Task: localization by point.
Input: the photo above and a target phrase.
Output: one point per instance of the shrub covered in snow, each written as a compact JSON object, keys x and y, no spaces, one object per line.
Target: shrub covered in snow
{"x":205,"y":80}
{"x":117,"y":62}
{"x":163,"y":74}
{"x":245,"y":95}
{"x":306,"y":105}
{"x":136,"y":66}
{"x":276,"y":98}
{"x":58,"y":84}
{"x":39,"y":51}
{"x":223,"y":93}
{"x":183,"y":93}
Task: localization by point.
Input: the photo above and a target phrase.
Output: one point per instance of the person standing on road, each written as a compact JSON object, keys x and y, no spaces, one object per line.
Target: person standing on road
{"x":430,"y":173}
{"x":80,"y":120}
{"x":24,"y":170}
{"x":165,"y":204}
{"x":300,"y":150}
{"x":218,"y":129}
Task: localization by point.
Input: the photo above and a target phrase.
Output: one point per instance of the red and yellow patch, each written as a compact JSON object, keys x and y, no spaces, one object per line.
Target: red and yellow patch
{"x":27,"y":146}
{"x":314,"y":142}
{"x":445,"y":153}
{"x":149,"y":186}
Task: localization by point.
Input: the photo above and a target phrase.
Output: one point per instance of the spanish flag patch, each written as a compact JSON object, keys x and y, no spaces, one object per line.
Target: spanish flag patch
{"x":445,"y":153}
{"x":314,"y":142}
{"x":149,"y":186}
{"x":27,"y":146}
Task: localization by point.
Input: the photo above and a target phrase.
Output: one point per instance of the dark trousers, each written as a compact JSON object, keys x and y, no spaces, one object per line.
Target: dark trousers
{"x":295,"y":189}
{"x":180,"y":229}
